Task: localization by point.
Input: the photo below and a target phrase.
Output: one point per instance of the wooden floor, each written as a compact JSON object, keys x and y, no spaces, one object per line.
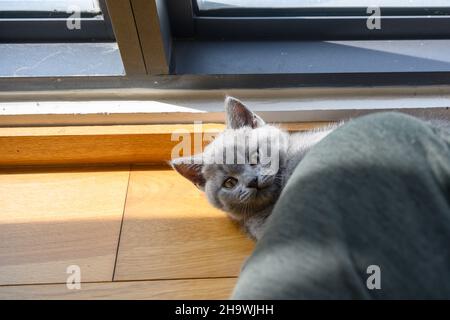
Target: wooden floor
{"x":135,"y":232}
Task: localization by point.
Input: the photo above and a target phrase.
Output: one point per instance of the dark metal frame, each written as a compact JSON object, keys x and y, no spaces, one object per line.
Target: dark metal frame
{"x":51,"y":27}
{"x":305,"y":24}
{"x":224,"y":82}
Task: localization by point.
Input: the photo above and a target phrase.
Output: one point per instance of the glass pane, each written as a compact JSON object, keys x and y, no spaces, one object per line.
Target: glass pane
{"x":54,"y":20}
{"x":253,"y":4}
{"x":85,"y":6}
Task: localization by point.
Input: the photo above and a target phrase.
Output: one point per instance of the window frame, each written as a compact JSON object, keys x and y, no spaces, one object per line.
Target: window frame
{"x":305,"y":23}
{"x":148,"y":50}
{"x":148,"y":42}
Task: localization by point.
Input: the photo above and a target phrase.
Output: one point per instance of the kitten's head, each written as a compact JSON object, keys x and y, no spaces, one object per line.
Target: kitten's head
{"x":241,"y":170}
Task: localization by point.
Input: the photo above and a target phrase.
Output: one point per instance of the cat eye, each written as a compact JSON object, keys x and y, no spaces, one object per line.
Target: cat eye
{"x":230,"y":183}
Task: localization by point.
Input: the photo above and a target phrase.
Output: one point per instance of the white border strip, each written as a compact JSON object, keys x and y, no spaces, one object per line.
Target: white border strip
{"x":273,"y":105}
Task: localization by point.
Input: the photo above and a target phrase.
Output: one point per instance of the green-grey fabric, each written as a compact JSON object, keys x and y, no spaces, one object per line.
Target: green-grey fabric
{"x":374,"y":192}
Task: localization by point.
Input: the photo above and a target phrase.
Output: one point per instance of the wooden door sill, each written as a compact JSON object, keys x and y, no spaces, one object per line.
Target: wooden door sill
{"x":101,"y":145}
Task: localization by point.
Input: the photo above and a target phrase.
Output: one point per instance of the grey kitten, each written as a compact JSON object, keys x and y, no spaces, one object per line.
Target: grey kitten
{"x":244,"y":170}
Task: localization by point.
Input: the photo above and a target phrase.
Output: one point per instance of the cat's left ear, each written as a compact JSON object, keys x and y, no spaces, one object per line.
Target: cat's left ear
{"x":238,"y":115}
{"x":189,"y":169}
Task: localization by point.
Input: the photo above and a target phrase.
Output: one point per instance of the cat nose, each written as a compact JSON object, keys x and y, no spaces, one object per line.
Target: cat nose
{"x":253,"y":183}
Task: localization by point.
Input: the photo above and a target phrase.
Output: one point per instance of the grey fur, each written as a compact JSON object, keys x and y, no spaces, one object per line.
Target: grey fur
{"x":249,"y":206}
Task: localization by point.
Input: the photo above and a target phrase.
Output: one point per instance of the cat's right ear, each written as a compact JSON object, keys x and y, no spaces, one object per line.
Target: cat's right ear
{"x":189,"y":169}
{"x":238,"y":115}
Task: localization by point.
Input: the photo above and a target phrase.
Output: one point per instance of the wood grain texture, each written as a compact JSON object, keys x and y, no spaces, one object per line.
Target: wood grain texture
{"x":151,"y":33}
{"x":127,"y":37}
{"x":90,"y":145}
{"x":169,"y":289}
{"x":53,"y":218}
{"x":170,"y":231}
{"x":101,"y":144}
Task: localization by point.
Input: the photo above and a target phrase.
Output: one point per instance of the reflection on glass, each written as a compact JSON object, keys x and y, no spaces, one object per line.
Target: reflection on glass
{"x":91,"y":6}
{"x":227,"y":4}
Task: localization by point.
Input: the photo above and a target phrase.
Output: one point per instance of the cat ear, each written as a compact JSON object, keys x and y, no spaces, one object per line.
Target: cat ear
{"x":238,"y":115}
{"x":190,"y":170}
